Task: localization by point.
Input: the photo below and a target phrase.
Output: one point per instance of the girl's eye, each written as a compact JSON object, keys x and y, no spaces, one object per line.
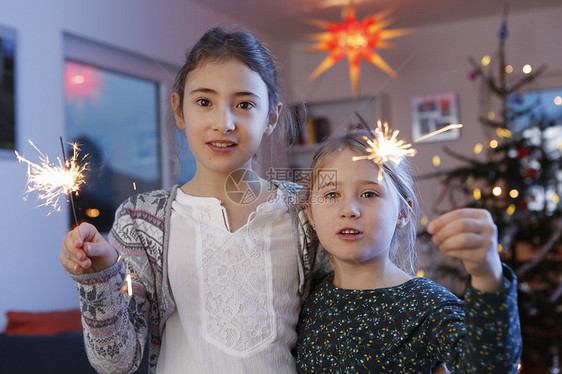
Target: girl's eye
{"x":203,"y":102}
{"x":369,"y":194}
{"x":245,"y":105}
{"x":331,"y":195}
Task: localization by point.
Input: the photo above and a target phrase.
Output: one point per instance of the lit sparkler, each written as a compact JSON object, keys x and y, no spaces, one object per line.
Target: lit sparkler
{"x":51,"y":181}
{"x":129,"y":285}
{"x":443,"y":129}
{"x":385,"y":145}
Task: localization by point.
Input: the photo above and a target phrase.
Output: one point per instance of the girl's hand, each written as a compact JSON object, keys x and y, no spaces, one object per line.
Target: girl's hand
{"x":85,"y":251}
{"x":441,"y":369}
{"x":471,"y":235}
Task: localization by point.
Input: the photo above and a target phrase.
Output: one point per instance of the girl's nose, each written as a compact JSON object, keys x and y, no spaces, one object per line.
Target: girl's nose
{"x":350,"y":209}
{"x":224,"y":122}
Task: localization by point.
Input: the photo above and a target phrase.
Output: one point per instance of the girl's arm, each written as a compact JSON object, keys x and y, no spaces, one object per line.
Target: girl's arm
{"x":115,"y":324}
{"x":488,"y":339}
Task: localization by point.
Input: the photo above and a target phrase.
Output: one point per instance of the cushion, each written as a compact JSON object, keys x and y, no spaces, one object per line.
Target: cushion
{"x":43,"y":323}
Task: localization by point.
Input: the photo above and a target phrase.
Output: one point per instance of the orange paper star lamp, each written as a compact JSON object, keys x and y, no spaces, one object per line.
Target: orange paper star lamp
{"x":355,"y":39}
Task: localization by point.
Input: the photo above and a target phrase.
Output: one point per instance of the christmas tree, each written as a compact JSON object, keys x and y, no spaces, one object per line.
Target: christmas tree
{"x":515,"y":174}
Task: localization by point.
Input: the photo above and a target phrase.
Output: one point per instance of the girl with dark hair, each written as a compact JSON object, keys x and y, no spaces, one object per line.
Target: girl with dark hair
{"x":218,"y":269}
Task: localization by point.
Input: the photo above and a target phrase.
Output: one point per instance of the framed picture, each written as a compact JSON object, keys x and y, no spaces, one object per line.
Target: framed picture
{"x":433,"y":112}
{"x":7,"y":90}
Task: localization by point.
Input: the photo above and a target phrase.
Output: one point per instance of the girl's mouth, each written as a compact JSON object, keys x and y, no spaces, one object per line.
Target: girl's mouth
{"x":221,"y":146}
{"x":348,"y":233}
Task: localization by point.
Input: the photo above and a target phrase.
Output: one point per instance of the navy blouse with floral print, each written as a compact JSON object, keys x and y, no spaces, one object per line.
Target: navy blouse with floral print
{"x":409,"y":328}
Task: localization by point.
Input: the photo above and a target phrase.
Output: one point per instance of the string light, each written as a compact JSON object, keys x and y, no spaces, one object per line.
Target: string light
{"x":478,"y":148}
{"x":477,"y":194}
{"x":511,"y":209}
{"x":92,"y":212}
{"x":436,"y":161}
{"x":503,"y":133}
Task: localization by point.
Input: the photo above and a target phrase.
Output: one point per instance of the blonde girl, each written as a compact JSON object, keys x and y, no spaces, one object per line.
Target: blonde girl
{"x":371,"y":315}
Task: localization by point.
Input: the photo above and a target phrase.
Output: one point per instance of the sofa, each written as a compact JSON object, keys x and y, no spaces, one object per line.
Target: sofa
{"x":47,"y":343}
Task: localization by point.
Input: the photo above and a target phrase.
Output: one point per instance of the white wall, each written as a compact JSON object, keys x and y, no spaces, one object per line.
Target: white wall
{"x":434,"y":59}
{"x":31,"y":277}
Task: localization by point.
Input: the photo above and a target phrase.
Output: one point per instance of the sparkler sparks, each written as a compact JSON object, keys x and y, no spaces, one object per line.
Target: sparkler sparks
{"x":51,"y":181}
{"x":129,"y":285}
{"x":385,"y":146}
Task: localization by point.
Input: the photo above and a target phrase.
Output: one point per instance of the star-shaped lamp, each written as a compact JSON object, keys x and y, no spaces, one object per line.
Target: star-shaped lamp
{"x":355,"y":39}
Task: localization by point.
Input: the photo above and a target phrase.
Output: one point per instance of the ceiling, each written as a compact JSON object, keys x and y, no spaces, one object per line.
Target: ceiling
{"x":286,"y":19}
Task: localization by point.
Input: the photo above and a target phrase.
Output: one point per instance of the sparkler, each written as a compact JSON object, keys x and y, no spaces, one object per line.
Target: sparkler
{"x":385,"y":145}
{"x":443,"y":129}
{"x":51,"y":181}
{"x":70,"y":193}
{"x":129,"y":285}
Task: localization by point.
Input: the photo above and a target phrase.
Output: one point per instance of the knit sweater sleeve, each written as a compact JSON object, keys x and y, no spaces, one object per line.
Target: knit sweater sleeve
{"x":489,"y":340}
{"x":116,"y":324}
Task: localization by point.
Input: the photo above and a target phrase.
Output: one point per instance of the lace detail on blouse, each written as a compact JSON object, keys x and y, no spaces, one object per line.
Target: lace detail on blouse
{"x":239,"y":317}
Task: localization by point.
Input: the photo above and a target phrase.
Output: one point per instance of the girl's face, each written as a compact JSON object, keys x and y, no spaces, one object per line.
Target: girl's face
{"x":224,"y":114}
{"x":356,"y":214}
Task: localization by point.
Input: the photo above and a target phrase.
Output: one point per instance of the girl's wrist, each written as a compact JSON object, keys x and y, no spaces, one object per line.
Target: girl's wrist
{"x":491,"y":282}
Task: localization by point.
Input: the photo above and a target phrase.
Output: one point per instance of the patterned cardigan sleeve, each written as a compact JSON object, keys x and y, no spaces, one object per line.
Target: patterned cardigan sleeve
{"x":314,"y":262}
{"x":116,"y":324}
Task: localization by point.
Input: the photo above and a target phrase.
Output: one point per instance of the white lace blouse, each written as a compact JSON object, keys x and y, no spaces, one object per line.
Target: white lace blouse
{"x":236,"y":293}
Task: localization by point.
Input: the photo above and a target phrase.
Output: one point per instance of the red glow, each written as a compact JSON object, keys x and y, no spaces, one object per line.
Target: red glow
{"x":81,"y":82}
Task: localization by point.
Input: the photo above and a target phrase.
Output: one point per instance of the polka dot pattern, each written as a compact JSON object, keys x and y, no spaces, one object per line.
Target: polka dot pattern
{"x":408,"y":329}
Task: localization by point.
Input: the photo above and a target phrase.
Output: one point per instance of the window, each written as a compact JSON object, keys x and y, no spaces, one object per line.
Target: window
{"x":116,"y":111}
{"x":7,"y":90}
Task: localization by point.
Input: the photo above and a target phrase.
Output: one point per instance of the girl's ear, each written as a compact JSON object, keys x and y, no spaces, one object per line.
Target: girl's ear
{"x":178,"y":110}
{"x":273,"y":118}
{"x":404,"y":215}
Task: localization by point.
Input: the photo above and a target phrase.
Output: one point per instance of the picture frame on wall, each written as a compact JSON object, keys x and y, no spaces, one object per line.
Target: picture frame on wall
{"x":7,"y":90}
{"x":433,"y":112}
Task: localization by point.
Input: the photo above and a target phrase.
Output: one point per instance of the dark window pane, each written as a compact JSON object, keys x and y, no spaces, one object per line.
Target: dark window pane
{"x":114,"y":118}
